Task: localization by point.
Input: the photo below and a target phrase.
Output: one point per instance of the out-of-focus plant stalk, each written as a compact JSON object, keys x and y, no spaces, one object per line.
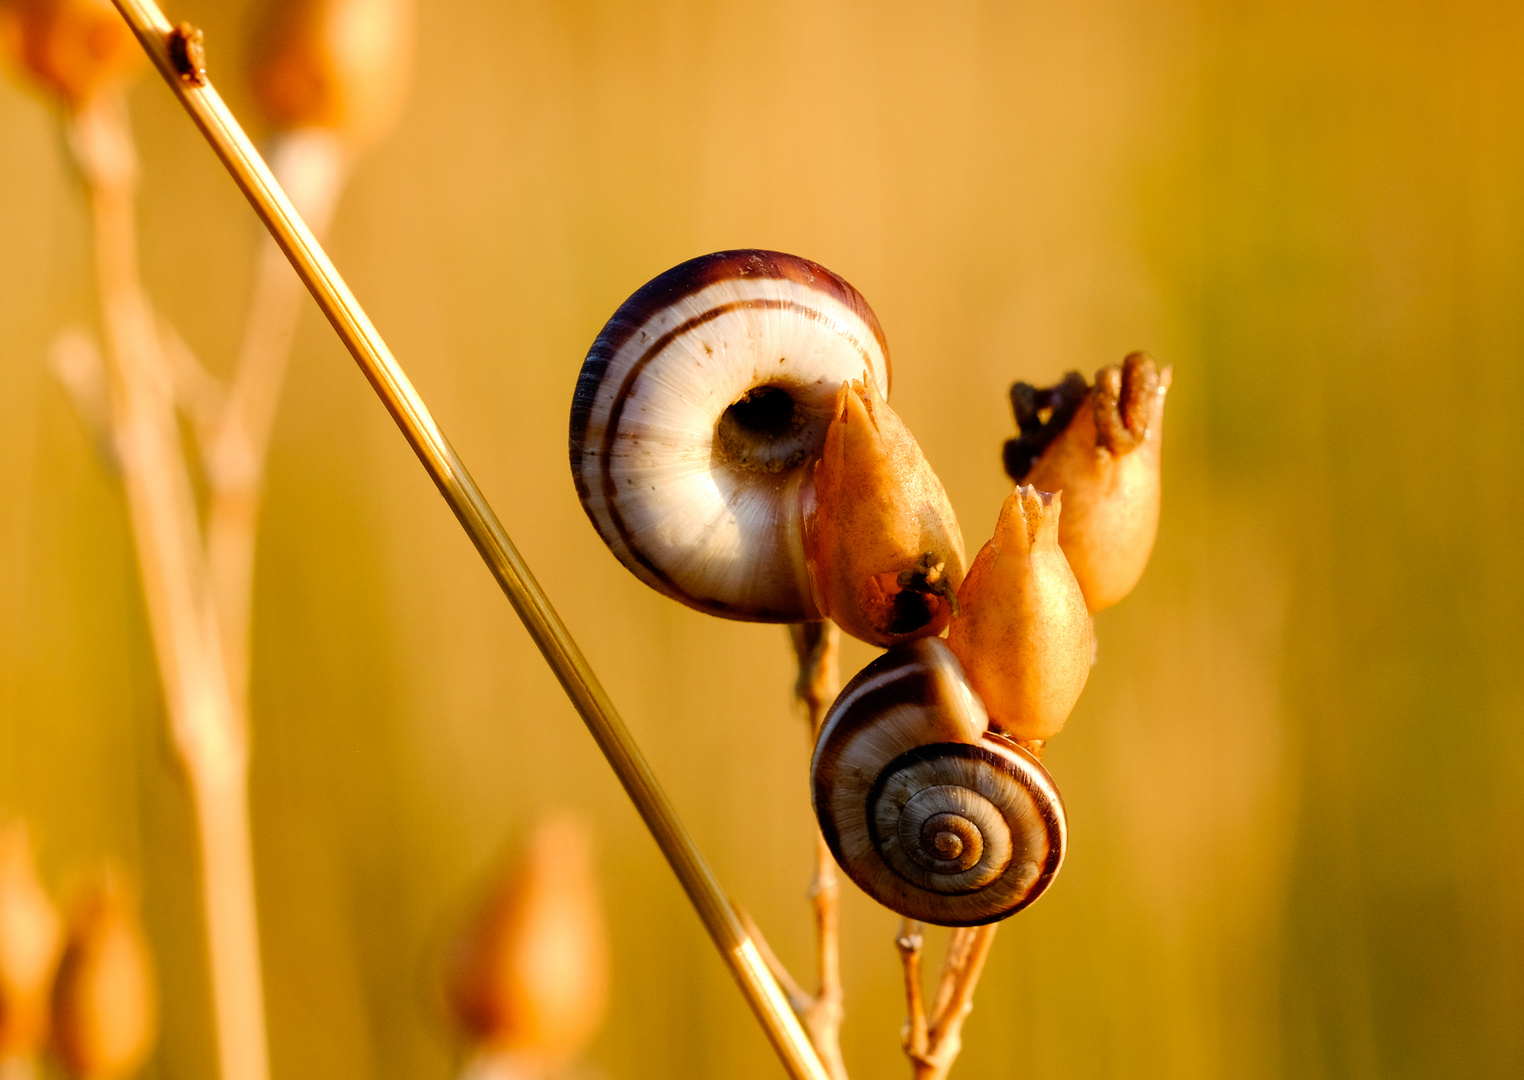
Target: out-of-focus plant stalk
{"x":205,"y":718}
{"x":330,"y":76}
{"x":312,"y":165}
{"x":176,"y":52}
{"x":79,"y":51}
{"x":197,"y":587}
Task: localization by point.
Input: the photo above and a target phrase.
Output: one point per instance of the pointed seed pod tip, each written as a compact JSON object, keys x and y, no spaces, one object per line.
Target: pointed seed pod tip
{"x":1023,"y":634}
{"x":880,"y":513}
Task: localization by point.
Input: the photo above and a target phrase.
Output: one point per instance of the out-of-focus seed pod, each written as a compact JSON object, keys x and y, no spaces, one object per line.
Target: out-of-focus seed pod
{"x":335,"y":64}
{"x":74,"y":49}
{"x":30,"y":936}
{"x":1100,"y":447}
{"x":529,"y":975}
{"x":883,"y":546}
{"x":1022,"y":632}
{"x":104,"y":1005}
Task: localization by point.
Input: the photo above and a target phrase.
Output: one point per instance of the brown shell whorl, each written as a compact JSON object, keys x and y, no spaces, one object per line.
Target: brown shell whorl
{"x":929,"y":812}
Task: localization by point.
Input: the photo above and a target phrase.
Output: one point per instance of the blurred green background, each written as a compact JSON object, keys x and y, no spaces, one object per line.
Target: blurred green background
{"x":1294,"y":781}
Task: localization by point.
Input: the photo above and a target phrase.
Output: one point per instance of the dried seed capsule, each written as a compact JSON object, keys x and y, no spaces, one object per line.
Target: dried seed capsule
{"x":1022,"y":632}
{"x":74,"y":48}
{"x":336,"y":64}
{"x":1099,"y":447}
{"x":883,"y":546}
{"x":104,"y":1006}
{"x":30,"y":936}
{"x":529,"y":976}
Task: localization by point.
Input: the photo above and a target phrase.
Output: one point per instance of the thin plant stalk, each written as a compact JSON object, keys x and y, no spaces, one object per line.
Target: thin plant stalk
{"x":206,"y":725}
{"x":312,"y":166}
{"x":932,"y":1040}
{"x":176,"y":52}
{"x":817,"y":648}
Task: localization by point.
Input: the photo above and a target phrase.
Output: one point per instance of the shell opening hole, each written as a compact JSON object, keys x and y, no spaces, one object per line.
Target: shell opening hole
{"x":766,"y":412}
{"x":764,"y":429}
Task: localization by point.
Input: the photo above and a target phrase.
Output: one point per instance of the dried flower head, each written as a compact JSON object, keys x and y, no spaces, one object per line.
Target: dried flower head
{"x":30,"y":936}
{"x":884,"y":550}
{"x":1099,"y":445}
{"x":529,"y":975}
{"x":335,"y":64}
{"x":1022,"y":632}
{"x":104,"y":1006}
{"x":74,"y":49}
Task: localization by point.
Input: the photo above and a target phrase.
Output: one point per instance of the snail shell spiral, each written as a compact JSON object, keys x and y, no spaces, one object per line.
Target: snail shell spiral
{"x":929,"y":812}
{"x":698,"y":415}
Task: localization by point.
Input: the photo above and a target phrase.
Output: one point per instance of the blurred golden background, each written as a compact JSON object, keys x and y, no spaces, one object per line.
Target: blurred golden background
{"x":1294,"y":781}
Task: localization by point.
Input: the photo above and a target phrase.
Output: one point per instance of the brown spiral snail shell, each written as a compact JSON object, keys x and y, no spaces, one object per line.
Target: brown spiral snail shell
{"x":929,"y":811}
{"x":731,"y":443}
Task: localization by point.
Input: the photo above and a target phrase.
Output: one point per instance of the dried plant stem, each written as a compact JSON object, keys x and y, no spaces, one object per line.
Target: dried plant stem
{"x":311,"y":165}
{"x":18,"y":1067}
{"x":205,"y":720}
{"x":504,"y":1065}
{"x":817,"y":647}
{"x":932,"y":1042}
{"x":165,"y":45}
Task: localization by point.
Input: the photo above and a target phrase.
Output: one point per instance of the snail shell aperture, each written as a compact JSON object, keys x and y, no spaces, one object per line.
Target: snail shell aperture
{"x":928,"y":811}
{"x":698,"y":416}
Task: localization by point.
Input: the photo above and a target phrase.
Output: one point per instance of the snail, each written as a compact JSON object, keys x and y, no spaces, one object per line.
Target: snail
{"x":929,"y":811}
{"x":731,"y":443}
{"x":1100,"y":446}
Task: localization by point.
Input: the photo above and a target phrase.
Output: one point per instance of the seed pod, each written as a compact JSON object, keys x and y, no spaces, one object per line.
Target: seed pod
{"x":30,"y":936}
{"x":74,"y":49}
{"x":335,"y":64}
{"x":529,"y":976}
{"x":1100,"y":447}
{"x":104,"y":1006}
{"x":880,"y":513}
{"x":1022,"y":632}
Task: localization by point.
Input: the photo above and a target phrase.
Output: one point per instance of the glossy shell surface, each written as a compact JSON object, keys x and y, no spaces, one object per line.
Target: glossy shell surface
{"x":698,"y":416}
{"x":927,"y":811}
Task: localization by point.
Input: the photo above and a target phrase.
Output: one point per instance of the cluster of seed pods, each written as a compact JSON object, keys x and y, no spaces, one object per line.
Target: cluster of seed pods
{"x":732,"y":442}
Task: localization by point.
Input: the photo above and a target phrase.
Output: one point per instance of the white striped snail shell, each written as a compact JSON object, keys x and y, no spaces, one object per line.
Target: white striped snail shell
{"x":698,"y":416}
{"x":927,"y":810}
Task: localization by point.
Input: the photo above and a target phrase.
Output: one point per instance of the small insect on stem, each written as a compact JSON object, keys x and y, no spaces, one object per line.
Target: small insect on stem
{"x":187,"y":52}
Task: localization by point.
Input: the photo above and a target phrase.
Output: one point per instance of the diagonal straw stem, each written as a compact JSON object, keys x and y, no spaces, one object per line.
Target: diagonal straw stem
{"x":177,"y":53}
